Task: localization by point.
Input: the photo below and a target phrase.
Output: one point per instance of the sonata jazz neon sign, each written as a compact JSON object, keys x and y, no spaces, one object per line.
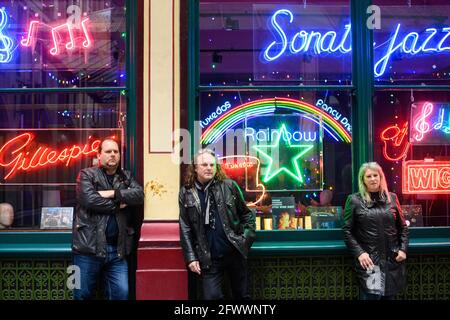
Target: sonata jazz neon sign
{"x":426,"y":177}
{"x":303,"y":41}
{"x":57,"y":32}
{"x":6,"y":43}
{"x":15,"y":155}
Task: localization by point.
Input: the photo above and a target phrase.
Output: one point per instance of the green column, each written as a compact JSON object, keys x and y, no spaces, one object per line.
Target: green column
{"x":193,"y":71}
{"x":131,"y":74}
{"x":362,"y":77}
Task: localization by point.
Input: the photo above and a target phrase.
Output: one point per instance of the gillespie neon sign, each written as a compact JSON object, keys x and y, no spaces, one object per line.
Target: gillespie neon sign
{"x":330,"y":42}
{"x":6,"y":43}
{"x":426,"y":177}
{"x":15,"y":156}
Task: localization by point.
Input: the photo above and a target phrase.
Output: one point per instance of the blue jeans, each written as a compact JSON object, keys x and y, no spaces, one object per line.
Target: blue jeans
{"x":115,"y":275}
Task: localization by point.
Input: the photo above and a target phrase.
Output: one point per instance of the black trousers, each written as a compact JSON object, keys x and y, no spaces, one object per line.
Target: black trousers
{"x":234,"y":265}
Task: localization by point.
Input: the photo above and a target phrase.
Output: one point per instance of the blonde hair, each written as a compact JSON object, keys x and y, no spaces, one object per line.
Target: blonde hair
{"x":384,"y":192}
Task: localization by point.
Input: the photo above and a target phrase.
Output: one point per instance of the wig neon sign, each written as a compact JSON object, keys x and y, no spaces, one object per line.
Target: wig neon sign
{"x":426,"y":177}
{"x":330,"y":42}
{"x":15,"y":155}
{"x":57,"y":36}
{"x":6,"y":43}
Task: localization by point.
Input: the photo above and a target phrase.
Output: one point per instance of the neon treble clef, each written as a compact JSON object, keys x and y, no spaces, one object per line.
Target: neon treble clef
{"x":421,"y":124}
{"x":6,"y":42}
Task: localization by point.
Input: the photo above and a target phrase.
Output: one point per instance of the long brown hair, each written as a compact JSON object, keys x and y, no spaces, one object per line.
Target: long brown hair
{"x":191,"y":175}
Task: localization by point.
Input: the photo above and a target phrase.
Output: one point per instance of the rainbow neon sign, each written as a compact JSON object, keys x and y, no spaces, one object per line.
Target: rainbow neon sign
{"x":432,"y":40}
{"x":6,"y":43}
{"x":252,"y":109}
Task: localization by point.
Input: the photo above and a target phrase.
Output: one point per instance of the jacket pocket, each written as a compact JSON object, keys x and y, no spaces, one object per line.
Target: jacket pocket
{"x":129,"y":240}
{"x":85,"y":238}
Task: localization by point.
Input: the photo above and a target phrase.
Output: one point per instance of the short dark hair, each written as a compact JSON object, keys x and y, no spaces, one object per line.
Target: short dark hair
{"x":111,"y":138}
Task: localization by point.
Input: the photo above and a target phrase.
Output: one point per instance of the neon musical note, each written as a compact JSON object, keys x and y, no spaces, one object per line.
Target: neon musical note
{"x":32,"y":28}
{"x":421,"y":124}
{"x":6,"y":43}
{"x":88,"y":41}
{"x":56,"y":37}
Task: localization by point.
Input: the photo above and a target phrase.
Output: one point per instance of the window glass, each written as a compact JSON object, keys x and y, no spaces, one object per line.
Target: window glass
{"x":411,"y":143}
{"x":62,"y":43}
{"x":261,"y":42}
{"x":412,"y":43}
{"x":45,"y":139}
{"x":283,"y":146}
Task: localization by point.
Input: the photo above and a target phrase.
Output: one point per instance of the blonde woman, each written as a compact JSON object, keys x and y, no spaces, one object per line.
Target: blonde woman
{"x":376,"y":234}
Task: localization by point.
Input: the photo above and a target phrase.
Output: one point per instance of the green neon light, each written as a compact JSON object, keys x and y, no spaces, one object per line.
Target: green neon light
{"x":293,"y":169}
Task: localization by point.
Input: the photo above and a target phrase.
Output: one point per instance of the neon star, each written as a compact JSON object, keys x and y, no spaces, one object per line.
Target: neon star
{"x":293,"y":168}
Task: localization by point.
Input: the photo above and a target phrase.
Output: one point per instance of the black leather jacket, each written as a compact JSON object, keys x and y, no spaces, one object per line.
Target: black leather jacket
{"x":379,"y":229}
{"x":92,"y":211}
{"x":238,"y":220}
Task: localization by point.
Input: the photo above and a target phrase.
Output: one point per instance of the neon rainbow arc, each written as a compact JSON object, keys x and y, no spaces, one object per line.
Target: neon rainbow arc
{"x":237,"y":115}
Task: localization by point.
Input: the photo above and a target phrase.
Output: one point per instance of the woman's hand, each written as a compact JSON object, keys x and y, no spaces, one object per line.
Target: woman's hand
{"x":365,"y":261}
{"x":401,"y":256}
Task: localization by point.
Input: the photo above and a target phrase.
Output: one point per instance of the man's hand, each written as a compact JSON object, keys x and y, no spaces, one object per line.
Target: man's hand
{"x":401,"y":256}
{"x":194,"y":266}
{"x":123,"y":205}
{"x":108,"y":194}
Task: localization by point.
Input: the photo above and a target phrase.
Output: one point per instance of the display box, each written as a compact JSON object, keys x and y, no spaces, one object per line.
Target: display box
{"x":413,"y":215}
{"x":329,"y":217}
{"x":56,"y":217}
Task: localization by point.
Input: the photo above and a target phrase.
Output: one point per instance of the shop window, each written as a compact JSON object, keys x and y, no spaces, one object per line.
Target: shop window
{"x":50,"y":122}
{"x":264,"y":43}
{"x":62,"y":44}
{"x":412,"y":144}
{"x":412,"y":43}
{"x":283,"y":146}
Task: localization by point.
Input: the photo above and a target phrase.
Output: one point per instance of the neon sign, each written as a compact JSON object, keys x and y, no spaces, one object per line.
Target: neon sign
{"x":222,"y":109}
{"x":264,"y":135}
{"x":430,"y":123}
{"x":292,"y":168}
{"x":14,"y":156}
{"x":335,"y":113}
{"x":57,"y":36}
{"x":330,"y":42}
{"x":246,"y":162}
{"x":426,"y":177}
{"x":395,"y":146}
{"x":6,"y":43}
{"x":258,"y":108}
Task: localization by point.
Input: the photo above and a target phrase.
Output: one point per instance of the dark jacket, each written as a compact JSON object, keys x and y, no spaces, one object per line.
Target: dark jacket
{"x":379,"y":229}
{"x":93,"y":211}
{"x":238,"y":221}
